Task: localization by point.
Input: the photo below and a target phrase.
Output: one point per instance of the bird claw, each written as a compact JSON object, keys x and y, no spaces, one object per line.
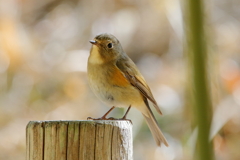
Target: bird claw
{"x":110,"y":118}
{"x":102,"y":118}
{"x":123,"y":119}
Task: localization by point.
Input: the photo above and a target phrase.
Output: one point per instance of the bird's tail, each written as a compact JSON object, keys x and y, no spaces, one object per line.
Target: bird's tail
{"x":154,"y":128}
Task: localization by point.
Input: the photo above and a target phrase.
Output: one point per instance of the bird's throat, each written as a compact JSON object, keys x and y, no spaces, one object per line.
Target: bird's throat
{"x":95,"y":57}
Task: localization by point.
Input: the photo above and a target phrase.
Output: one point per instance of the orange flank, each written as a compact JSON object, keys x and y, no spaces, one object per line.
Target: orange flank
{"x":118,"y":78}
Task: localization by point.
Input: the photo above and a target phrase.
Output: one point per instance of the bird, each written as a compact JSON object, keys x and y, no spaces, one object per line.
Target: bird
{"x":116,"y":81}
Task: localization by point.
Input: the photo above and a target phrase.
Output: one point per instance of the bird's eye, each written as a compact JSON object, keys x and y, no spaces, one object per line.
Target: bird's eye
{"x":110,"y":45}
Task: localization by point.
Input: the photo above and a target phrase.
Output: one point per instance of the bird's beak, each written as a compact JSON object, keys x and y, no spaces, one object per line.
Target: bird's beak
{"x":93,"y":42}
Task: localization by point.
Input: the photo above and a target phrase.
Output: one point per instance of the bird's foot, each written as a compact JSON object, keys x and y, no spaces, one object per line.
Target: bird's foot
{"x":110,"y":118}
{"x":104,"y":117}
{"x":123,"y":119}
{"x":101,"y":118}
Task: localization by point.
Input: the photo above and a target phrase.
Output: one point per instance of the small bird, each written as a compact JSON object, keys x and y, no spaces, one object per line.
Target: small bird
{"x":116,"y":81}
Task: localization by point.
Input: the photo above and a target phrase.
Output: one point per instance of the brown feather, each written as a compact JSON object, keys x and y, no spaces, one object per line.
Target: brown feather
{"x":136,"y":79}
{"x":153,"y":126}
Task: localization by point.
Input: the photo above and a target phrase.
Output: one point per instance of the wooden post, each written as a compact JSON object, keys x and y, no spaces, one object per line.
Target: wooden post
{"x":79,"y":140}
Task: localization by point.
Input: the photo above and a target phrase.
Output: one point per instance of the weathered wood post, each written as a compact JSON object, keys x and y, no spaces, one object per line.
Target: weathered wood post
{"x":79,"y":140}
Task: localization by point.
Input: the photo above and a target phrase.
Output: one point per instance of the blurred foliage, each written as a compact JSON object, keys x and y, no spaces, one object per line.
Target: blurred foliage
{"x":43,"y":57}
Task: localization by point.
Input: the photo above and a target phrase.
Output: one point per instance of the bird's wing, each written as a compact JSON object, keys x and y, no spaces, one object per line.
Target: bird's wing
{"x":136,"y":79}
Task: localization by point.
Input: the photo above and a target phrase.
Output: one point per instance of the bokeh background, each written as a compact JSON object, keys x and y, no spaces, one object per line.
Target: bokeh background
{"x":44,"y":46}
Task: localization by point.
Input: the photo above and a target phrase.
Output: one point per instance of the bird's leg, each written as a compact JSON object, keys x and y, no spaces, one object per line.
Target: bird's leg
{"x":124,"y":117}
{"x":104,"y":116}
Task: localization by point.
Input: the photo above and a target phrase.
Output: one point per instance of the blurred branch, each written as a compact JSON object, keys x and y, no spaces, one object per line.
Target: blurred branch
{"x":198,"y":62}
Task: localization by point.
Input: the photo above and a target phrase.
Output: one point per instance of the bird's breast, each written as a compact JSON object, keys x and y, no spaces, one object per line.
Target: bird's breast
{"x":110,"y":85}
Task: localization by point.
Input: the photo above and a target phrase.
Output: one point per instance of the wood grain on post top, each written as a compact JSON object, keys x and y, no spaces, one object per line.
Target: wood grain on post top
{"x":79,"y":140}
